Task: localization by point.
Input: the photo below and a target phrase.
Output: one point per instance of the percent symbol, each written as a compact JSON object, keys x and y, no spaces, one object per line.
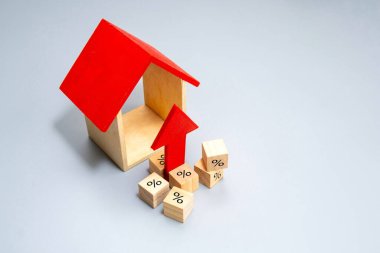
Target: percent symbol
{"x":154,"y":183}
{"x":217,"y":176}
{"x":162,"y":159}
{"x":217,"y":163}
{"x":178,"y":197}
{"x":184,"y":173}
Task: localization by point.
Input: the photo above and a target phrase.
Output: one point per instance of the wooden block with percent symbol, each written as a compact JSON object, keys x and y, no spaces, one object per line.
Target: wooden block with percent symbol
{"x":184,"y":177}
{"x":157,"y":162}
{"x":153,"y":189}
{"x":208,"y":178}
{"x":215,"y":155}
{"x":178,"y":204}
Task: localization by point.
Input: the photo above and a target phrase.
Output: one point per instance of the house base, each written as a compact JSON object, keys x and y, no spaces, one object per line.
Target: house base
{"x":127,"y":142}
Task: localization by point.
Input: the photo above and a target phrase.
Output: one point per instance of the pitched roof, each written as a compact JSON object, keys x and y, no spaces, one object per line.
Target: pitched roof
{"x":108,"y":69}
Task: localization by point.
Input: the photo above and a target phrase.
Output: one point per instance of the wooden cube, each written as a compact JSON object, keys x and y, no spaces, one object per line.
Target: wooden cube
{"x":178,"y":204}
{"x":184,"y":177}
{"x":215,"y":155}
{"x":157,"y":162}
{"x":208,"y":178}
{"x":153,"y":189}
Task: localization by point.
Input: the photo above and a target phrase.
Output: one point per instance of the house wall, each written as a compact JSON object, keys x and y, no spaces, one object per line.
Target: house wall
{"x":163,"y":89}
{"x":111,"y":142}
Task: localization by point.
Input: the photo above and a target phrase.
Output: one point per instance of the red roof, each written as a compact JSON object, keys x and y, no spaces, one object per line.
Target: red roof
{"x":108,"y":69}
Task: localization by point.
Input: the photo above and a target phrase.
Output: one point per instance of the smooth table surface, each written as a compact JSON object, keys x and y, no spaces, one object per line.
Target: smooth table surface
{"x":291,"y":86}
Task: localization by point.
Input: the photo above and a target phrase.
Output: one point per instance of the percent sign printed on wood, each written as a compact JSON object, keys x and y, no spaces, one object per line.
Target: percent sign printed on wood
{"x":172,"y":135}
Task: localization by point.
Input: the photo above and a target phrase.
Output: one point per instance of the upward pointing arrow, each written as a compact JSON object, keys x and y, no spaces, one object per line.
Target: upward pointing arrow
{"x":172,"y":135}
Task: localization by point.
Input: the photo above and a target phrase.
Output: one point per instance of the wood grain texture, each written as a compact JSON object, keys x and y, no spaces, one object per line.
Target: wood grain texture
{"x":178,"y":204}
{"x":153,"y":189}
{"x":112,"y":142}
{"x":185,"y":178}
{"x":140,"y":127}
{"x":163,"y":89}
{"x":208,"y":178}
{"x":127,"y":142}
{"x":157,"y":162}
{"x":215,"y":155}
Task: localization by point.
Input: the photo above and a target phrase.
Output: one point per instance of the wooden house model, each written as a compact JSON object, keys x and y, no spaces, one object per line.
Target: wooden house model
{"x":101,"y":80}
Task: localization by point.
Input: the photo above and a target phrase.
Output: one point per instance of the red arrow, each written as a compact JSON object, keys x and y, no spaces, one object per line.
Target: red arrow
{"x":172,"y":135}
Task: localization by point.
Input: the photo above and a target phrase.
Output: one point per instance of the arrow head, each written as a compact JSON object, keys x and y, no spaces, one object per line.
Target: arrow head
{"x":177,"y":124}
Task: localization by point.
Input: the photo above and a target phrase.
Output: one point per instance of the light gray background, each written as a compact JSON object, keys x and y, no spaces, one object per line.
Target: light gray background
{"x":291,"y":86}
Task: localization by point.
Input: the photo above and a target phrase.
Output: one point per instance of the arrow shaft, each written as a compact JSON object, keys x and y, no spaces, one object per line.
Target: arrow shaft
{"x":175,"y":154}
